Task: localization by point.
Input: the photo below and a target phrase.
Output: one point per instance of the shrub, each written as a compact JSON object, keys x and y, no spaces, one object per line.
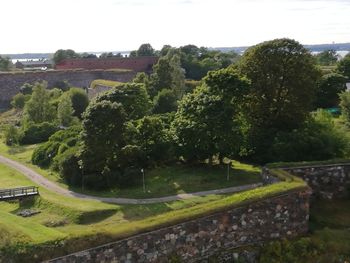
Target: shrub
{"x":44,"y":154}
{"x":130,"y":177}
{"x":58,"y":144}
{"x":26,"y":89}
{"x":345,"y":106}
{"x":36,"y":133}
{"x":11,"y":135}
{"x":19,"y":100}
{"x":80,"y":101}
{"x":317,"y":139}
{"x":165,"y":101}
{"x":62,"y":85}
{"x":67,"y":163}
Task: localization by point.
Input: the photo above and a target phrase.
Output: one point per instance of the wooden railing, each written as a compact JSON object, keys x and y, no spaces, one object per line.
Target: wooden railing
{"x":16,"y":193}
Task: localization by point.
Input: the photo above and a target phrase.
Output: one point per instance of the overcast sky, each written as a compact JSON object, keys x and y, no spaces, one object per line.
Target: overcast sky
{"x":106,"y":25}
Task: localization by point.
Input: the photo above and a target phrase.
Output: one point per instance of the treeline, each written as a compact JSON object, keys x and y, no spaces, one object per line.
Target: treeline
{"x":262,"y":108}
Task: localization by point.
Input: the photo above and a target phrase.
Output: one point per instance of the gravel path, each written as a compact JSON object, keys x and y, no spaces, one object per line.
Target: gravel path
{"x":51,"y":186}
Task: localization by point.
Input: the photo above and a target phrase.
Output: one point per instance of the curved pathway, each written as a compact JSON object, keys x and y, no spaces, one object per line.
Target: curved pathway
{"x":51,"y":186}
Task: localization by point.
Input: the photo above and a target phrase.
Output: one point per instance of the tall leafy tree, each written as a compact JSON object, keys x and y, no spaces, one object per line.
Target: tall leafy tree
{"x":168,"y":74}
{"x":145,"y":50}
{"x":327,"y":57}
{"x":5,"y":64}
{"x":103,"y":124}
{"x":62,"y":54}
{"x":65,"y":110}
{"x":133,"y":97}
{"x":343,"y":66}
{"x":39,"y":109}
{"x":80,"y":101}
{"x":328,"y":89}
{"x":207,"y":122}
{"x":283,"y":77}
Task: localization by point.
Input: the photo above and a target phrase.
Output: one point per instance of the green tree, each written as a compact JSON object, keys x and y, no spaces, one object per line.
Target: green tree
{"x":168,"y":74}
{"x":62,"y":54}
{"x":145,"y":50}
{"x":207,"y":122}
{"x":328,"y":90}
{"x":165,"y":101}
{"x":317,"y":139}
{"x":133,"y":97}
{"x":153,"y":138}
{"x":11,"y":135}
{"x":19,"y":100}
{"x":103,"y":125}
{"x":80,"y":101}
{"x":5,"y":64}
{"x":283,"y":77}
{"x":39,"y":109}
{"x":327,"y":57}
{"x":343,"y":66}
{"x":26,"y":88}
{"x":345,"y":106}
{"x":65,"y":110}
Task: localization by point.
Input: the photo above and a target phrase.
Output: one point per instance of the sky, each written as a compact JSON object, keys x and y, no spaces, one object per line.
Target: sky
{"x":121,"y":25}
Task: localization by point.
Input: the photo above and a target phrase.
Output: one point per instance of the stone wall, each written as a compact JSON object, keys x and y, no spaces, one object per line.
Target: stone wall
{"x":194,"y":241}
{"x":11,"y":82}
{"x":326,"y":181}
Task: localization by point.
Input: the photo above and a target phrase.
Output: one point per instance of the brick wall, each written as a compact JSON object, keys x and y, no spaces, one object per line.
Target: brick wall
{"x":138,"y":64}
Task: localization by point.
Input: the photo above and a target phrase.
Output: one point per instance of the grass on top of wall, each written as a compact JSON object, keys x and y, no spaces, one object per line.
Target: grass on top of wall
{"x":106,"y":83}
{"x":307,"y":163}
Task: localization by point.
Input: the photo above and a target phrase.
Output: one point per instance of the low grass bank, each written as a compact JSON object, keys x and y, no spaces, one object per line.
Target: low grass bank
{"x":308,"y":163}
{"x":106,"y":83}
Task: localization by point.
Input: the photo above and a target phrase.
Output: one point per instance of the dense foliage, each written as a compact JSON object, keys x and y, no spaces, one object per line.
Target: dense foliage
{"x":328,"y":90}
{"x":283,"y":85}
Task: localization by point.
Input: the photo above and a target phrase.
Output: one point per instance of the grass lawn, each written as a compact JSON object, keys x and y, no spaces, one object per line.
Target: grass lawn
{"x":162,"y":181}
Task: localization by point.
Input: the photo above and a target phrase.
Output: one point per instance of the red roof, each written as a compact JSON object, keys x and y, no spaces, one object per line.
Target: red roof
{"x":138,"y":64}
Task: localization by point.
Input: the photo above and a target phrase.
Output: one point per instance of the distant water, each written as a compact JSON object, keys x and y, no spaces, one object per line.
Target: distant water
{"x":40,"y":58}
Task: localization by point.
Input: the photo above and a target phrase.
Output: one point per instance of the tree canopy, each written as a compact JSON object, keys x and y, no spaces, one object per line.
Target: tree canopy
{"x":62,"y":54}
{"x":283,"y":84}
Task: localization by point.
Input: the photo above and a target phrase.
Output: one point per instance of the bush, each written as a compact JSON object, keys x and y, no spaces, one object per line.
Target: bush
{"x":44,"y":154}
{"x":318,"y":139}
{"x":131,"y":176}
{"x":80,"y":101}
{"x":345,"y":106}
{"x":58,"y":144}
{"x":19,"y":100}
{"x":165,"y":101}
{"x":62,"y":85}
{"x":36,"y":133}
{"x":67,"y":165}
{"x":11,"y":135}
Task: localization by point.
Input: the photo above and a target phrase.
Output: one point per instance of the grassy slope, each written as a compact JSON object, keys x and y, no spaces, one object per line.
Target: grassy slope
{"x":106,"y":83}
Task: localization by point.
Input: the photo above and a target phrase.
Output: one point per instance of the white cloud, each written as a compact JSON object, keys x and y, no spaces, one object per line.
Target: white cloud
{"x":93,"y":25}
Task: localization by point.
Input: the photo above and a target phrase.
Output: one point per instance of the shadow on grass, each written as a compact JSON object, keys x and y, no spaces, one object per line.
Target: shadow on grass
{"x":17,"y":149}
{"x":138,"y":212}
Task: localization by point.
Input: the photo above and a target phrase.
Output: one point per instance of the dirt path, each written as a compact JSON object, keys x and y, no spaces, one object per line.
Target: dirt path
{"x":51,"y":186}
